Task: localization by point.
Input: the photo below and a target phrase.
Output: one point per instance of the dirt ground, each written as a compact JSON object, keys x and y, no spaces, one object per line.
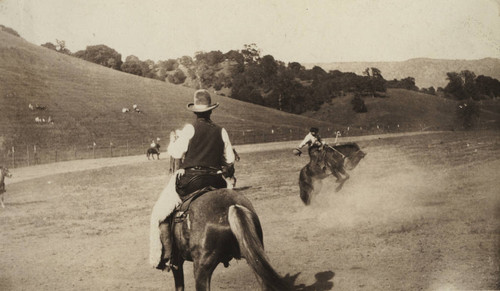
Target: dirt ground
{"x":419,"y":213}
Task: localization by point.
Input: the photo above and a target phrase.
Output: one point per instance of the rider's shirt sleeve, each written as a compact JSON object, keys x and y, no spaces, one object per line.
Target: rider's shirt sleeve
{"x":179,"y":147}
{"x":306,"y":140}
{"x":228,"y":148}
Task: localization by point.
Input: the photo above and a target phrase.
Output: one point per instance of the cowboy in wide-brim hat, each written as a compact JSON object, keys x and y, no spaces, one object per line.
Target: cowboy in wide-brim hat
{"x":202,"y":102}
{"x":206,"y":155}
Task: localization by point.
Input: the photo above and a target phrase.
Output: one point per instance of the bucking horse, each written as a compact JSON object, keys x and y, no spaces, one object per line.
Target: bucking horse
{"x":330,"y":160}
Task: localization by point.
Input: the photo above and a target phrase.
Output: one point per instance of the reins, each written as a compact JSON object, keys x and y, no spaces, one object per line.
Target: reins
{"x":341,"y":154}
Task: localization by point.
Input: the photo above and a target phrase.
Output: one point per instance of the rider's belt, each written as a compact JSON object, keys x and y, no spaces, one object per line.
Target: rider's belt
{"x":201,"y":169}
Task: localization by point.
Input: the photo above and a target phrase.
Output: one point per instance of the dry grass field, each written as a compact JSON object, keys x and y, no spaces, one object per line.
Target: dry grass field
{"x":419,"y":213}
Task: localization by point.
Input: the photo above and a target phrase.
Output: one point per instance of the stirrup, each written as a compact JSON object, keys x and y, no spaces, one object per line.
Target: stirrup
{"x":165,"y":265}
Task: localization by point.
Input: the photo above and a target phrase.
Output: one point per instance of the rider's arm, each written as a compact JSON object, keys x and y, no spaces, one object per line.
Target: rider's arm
{"x":306,"y":140}
{"x":179,"y":147}
{"x":228,"y":148}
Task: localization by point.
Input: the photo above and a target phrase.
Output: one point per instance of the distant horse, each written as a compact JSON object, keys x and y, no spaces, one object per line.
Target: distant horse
{"x":216,"y":227}
{"x":153,"y":151}
{"x":4,"y":172}
{"x":326,"y":162}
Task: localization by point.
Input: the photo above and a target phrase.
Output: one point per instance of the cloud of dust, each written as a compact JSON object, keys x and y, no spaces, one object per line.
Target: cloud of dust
{"x":380,"y":191}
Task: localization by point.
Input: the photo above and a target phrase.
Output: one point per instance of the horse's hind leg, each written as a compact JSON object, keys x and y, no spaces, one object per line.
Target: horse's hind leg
{"x":203,"y":269}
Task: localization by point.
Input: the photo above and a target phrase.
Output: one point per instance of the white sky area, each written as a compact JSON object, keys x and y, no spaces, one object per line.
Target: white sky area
{"x":290,"y":30}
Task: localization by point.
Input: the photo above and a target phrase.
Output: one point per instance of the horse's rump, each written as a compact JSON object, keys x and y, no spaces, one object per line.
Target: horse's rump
{"x":208,"y":216}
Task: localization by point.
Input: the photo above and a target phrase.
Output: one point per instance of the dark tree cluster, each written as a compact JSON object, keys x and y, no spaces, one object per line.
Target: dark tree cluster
{"x":469,"y":89}
{"x":102,"y":55}
{"x":60,"y":47}
{"x":407,"y":83}
{"x":292,"y":88}
{"x":465,"y":85}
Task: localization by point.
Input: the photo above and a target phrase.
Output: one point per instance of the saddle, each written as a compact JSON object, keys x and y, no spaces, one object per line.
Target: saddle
{"x":180,"y":212}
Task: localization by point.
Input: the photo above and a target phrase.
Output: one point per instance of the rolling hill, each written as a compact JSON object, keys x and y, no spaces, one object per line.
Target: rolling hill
{"x":427,"y":72}
{"x":402,"y":111}
{"x":85,"y":102}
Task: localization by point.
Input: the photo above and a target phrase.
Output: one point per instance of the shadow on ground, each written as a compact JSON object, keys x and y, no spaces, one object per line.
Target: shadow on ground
{"x":323,"y":282}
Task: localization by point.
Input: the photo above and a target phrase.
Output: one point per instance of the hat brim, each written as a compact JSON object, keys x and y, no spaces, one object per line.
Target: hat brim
{"x":193,"y":108}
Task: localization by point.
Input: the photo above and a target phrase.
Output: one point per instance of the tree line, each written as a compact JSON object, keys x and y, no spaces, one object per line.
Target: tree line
{"x":263,"y":80}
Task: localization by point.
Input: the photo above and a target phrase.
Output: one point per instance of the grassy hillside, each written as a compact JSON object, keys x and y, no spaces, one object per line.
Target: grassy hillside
{"x":85,"y":102}
{"x":427,"y":72}
{"x":410,"y":110}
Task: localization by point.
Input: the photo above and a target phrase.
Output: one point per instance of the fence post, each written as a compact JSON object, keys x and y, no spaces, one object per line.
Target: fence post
{"x":111,"y":149}
{"x":75,"y":151}
{"x":127,"y":147}
{"x":35,"y":156}
{"x":28,"y":154}
{"x":56,"y":155}
{"x":13,"y":157}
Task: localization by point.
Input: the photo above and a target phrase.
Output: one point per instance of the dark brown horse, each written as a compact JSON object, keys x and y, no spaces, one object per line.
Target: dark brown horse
{"x":153,"y":151}
{"x":218,"y":226}
{"x":331,"y":160}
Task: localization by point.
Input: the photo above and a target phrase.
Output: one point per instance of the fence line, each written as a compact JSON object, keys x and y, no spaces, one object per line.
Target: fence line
{"x":22,"y":155}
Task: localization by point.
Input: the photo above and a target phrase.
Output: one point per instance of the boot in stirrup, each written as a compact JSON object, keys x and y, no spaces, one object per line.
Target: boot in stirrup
{"x":166,"y":241}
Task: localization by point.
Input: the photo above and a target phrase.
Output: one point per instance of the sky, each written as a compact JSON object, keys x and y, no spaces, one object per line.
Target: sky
{"x":290,"y":30}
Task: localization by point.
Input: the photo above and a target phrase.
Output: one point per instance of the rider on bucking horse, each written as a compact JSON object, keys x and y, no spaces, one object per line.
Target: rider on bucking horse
{"x":317,"y":151}
{"x":313,"y":140}
{"x":205,"y":148}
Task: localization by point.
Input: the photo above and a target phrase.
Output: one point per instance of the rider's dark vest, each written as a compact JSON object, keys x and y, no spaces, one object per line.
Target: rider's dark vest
{"x":206,"y":148}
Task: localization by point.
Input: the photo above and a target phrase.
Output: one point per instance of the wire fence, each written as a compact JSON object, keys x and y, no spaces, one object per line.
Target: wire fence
{"x":22,"y":155}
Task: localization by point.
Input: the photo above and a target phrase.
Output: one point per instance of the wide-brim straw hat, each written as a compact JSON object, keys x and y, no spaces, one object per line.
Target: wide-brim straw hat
{"x":202,"y":102}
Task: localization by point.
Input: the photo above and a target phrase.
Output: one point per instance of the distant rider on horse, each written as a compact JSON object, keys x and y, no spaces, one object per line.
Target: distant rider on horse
{"x":205,"y":148}
{"x":155,"y":144}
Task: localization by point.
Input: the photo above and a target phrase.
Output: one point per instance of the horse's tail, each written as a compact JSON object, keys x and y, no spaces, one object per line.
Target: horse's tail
{"x":246,"y":227}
